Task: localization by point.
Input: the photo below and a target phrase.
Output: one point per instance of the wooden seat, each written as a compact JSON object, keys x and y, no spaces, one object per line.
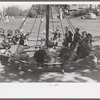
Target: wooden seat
{"x":23,"y":61}
{"x":54,"y":64}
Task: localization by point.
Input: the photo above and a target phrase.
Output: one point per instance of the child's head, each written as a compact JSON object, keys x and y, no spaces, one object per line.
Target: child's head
{"x":77,"y":30}
{"x":9,"y":32}
{"x":84,"y":34}
{"x":89,"y":36}
{"x":66,"y":28}
{"x":51,"y":44}
{"x":16,"y":31}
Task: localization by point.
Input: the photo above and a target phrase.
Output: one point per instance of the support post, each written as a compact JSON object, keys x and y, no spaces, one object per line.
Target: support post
{"x":47,"y":25}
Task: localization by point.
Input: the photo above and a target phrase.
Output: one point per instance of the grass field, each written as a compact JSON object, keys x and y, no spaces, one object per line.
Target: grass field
{"x":9,"y":74}
{"x":91,"y":26}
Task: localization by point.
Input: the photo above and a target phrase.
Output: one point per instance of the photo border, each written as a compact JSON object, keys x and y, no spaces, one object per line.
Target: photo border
{"x":12,"y":86}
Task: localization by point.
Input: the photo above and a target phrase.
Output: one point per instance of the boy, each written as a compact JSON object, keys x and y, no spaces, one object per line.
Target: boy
{"x":40,"y":55}
{"x":68,"y":36}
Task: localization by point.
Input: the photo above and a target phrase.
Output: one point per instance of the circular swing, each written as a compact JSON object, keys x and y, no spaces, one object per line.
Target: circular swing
{"x":36,"y":45}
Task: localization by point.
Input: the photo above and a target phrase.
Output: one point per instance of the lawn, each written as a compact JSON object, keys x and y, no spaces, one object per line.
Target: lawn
{"x":91,"y":26}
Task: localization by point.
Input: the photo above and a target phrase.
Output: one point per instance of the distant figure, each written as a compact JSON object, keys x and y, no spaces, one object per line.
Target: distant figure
{"x":43,"y":34}
{"x":57,"y":35}
{"x":7,"y":19}
{"x":13,"y":18}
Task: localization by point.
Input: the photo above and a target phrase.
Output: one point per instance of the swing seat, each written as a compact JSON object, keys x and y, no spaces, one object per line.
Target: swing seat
{"x":24,"y":62}
{"x":54,"y":65}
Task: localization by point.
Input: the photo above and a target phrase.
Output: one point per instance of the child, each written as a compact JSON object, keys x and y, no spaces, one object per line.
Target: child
{"x":2,"y":31}
{"x":40,"y":55}
{"x":84,"y":34}
{"x":64,"y":53}
{"x":77,"y":36}
{"x":9,"y":35}
{"x":51,"y":53}
{"x":20,"y":53}
{"x":16,"y":37}
{"x":68,"y":36}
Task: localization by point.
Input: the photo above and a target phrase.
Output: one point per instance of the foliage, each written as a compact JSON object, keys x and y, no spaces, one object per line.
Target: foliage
{"x":37,"y":10}
{"x":13,"y":11}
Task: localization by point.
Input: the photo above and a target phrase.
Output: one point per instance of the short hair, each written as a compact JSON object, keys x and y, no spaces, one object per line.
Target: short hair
{"x":89,"y":35}
{"x":77,"y":29}
{"x":50,"y":44}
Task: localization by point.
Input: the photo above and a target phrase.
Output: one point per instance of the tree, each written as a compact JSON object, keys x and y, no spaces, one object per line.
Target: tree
{"x":13,"y":11}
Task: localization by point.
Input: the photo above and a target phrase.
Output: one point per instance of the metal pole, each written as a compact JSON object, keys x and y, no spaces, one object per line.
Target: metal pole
{"x":47,"y":25}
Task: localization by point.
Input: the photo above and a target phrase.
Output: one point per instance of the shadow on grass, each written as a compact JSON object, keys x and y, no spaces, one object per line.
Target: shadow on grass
{"x":80,"y":72}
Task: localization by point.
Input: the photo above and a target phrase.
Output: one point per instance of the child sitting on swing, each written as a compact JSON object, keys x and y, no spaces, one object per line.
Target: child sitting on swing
{"x":40,"y":55}
{"x":51,"y":53}
{"x":20,"y":53}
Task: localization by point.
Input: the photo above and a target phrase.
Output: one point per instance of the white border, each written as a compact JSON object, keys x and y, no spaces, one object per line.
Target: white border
{"x":44,"y":90}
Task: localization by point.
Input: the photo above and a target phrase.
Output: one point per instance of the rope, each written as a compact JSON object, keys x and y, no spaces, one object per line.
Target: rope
{"x":70,"y":24}
{"x":25,"y":19}
{"x":38,"y":32}
{"x":61,"y":23}
{"x":52,"y":19}
{"x":33,"y":24}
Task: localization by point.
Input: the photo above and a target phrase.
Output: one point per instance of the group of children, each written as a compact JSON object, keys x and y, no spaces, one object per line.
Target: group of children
{"x":80,"y":44}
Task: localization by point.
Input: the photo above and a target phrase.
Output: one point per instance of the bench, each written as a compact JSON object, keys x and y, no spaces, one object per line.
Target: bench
{"x":54,"y":65}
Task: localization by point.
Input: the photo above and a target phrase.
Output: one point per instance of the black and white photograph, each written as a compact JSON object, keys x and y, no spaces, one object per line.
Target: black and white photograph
{"x":49,"y":42}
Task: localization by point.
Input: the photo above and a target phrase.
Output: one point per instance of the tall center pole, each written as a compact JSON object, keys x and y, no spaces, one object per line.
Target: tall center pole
{"x":47,"y":25}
